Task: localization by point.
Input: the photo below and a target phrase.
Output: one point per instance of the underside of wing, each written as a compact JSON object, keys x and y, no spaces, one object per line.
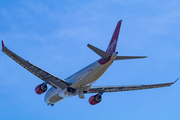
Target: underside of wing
{"x":126,"y":88}
{"x":45,"y":76}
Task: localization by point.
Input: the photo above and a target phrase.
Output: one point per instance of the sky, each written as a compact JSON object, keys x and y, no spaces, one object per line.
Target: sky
{"x":53,"y":35}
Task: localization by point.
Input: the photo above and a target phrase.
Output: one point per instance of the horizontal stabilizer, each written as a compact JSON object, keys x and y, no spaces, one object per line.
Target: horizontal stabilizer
{"x":129,"y":57}
{"x":100,"y":52}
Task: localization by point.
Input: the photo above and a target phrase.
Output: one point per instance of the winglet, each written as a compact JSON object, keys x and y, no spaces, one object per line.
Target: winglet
{"x":2,"y":43}
{"x":176,"y":80}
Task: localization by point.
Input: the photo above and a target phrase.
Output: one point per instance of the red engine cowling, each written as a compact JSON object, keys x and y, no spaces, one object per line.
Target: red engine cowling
{"x":95,"y":99}
{"x":40,"y":89}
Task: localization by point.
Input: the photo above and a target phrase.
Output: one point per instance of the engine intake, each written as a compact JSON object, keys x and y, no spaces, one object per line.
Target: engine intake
{"x":41,"y":89}
{"x":95,"y":99}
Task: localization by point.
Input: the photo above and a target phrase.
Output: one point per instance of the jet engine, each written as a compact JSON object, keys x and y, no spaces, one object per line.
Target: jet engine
{"x":95,"y":99}
{"x":41,"y":89}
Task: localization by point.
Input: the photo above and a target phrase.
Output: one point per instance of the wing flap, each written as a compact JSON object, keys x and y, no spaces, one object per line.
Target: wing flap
{"x":45,"y":76}
{"x":126,"y":88}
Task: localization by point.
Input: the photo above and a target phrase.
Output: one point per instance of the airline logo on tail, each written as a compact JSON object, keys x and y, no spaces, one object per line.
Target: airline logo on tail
{"x":112,"y":45}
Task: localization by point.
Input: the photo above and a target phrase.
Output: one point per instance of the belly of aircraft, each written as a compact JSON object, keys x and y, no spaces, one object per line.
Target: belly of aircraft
{"x":91,"y":77}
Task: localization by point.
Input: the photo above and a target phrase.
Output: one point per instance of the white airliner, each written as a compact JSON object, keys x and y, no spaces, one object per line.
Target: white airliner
{"x":81,"y":82}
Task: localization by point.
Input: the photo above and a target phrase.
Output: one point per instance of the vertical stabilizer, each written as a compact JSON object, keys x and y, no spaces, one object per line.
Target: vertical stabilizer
{"x":112,"y":45}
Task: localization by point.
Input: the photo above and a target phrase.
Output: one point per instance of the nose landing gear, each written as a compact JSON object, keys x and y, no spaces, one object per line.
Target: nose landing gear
{"x":50,"y":104}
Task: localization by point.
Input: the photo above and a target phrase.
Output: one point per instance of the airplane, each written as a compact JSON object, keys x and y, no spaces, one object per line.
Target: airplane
{"x":81,"y":82}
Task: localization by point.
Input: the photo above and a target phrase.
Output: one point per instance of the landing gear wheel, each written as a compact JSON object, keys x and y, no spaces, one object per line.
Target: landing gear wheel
{"x":52,"y":105}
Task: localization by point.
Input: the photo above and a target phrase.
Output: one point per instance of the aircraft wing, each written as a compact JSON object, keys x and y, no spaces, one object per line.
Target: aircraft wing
{"x":40,"y":73}
{"x":100,"y":89}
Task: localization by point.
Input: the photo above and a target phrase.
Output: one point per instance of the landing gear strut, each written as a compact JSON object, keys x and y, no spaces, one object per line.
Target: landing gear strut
{"x":71,"y":90}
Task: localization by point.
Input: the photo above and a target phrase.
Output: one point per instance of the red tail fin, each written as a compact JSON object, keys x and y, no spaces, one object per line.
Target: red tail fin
{"x":112,"y":45}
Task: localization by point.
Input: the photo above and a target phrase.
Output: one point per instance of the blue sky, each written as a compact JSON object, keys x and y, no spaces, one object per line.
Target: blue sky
{"x":54,"y":36}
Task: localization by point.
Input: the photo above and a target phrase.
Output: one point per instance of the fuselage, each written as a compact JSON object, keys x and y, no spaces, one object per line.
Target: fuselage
{"x":81,"y":80}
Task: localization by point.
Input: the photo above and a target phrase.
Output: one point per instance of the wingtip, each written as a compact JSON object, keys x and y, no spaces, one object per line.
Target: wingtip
{"x":2,"y":43}
{"x":176,"y":80}
{"x":120,"y":21}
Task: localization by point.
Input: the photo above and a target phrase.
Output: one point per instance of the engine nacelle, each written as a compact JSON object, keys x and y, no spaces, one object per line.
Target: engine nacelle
{"x":95,"y":99}
{"x":41,"y":89}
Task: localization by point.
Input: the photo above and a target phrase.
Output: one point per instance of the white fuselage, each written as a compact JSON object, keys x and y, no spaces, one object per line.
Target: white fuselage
{"x":81,"y":81}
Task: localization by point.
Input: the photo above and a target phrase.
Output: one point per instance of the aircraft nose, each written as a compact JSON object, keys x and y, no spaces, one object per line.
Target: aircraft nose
{"x":46,"y":98}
